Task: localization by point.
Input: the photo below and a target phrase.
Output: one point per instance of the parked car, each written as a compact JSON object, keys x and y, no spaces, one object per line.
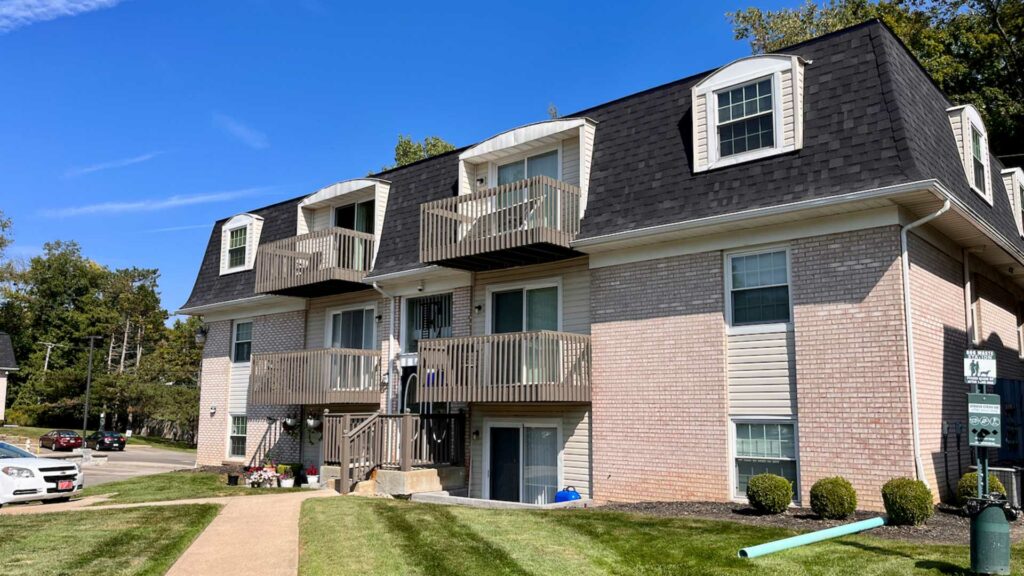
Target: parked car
{"x":105,"y":441}
{"x":60,"y":440}
{"x":24,"y":477}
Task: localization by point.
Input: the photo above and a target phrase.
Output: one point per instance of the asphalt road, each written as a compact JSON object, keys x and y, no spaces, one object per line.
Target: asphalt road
{"x":135,"y":461}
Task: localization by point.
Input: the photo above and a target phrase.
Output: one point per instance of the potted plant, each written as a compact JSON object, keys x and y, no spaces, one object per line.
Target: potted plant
{"x":261,"y":477}
{"x":313,"y":423}
{"x":290,"y":425}
{"x":269,"y":465}
{"x":312,"y":477}
{"x":286,"y":479}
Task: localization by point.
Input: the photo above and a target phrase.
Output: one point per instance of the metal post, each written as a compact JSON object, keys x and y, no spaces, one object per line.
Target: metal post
{"x":346,"y":454}
{"x":405,"y":458}
{"x":88,"y":385}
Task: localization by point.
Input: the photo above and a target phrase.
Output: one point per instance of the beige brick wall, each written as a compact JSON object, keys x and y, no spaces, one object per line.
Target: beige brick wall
{"x":211,"y":442}
{"x":852,"y":384}
{"x":660,"y":425}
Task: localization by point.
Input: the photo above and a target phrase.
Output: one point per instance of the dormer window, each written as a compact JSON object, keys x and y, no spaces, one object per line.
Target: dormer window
{"x":750,"y":109}
{"x":1013,"y":182}
{"x":239,"y":237}
{"x":746,"y":121}
{"x":972,"y":144}
{"x":358,"y":216}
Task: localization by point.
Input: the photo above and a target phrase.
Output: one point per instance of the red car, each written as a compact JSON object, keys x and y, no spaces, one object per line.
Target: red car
{"x":60,"y":440}
{"x":105,"y":441}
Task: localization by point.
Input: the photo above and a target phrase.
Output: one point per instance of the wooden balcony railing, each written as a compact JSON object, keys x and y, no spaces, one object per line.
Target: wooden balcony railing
{"x":516,"y":367}
{"x":538,"y":210}
{"x":325,"y":376}
{"x":326,"y":255}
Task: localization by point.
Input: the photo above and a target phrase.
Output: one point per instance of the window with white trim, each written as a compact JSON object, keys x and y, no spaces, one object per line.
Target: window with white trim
{"x":236,"y":247}
{"x":236,"y":437}
{"x":242,"y":345}
{"x":765,"y":447}
{"x":758,"y":288}
{"x":746,"y":119}
{"x":427,"y":317}
{"x":978,"y":160}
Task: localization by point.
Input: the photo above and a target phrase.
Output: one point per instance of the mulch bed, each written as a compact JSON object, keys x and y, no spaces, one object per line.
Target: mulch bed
{"x":225,"y":469}
{"x":947,"y":526}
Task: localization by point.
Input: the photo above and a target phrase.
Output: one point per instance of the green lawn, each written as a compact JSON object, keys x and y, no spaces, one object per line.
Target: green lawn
{"x":174,"y":486}
{"x":365,"y":536}
{"x":101,"y":542}
{"x":34,"y":433}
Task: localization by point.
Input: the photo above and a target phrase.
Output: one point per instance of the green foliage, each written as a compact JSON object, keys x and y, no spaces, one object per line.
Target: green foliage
{"x":408,"y":151}
{"x":833,"y":498}
{"x":907,"y":502}
{"x":974,"y":49}
{"x":967,"y":487}
{"x":769,"y":494}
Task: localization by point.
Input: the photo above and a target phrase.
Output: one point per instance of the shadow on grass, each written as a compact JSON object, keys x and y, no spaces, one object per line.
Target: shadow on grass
{"x":942,"y":567}
{"x":872,"y":549}
{"x":439,"y":543}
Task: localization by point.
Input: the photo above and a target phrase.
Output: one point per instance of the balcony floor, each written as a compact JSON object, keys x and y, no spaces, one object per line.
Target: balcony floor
{"x":511,"y":257}
{"x":325,"y":288}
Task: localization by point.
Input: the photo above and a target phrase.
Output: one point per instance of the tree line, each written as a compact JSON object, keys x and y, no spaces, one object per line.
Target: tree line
{"x":145,"y":373}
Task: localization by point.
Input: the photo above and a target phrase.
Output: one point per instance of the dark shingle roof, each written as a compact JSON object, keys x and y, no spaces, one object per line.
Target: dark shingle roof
{"x":7,"y":360}
{"x":872,"y":118}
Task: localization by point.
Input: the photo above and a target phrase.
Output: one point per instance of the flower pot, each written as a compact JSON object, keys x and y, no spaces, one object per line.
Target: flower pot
{"x":313,"y":423}
{"x":290,"y":424}
{"x":312,"y":481}
{"x":287,"y":482}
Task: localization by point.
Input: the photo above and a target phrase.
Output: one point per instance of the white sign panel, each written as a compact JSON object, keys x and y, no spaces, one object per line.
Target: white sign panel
{"x":980,"y":367}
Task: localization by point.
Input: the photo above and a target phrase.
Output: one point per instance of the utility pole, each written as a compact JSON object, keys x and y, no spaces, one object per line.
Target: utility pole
{"x":88,"y":384}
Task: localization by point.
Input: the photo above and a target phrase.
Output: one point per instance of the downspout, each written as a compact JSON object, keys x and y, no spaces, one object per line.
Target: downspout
{"x":908,"y":320}
{"x":391,"y":355}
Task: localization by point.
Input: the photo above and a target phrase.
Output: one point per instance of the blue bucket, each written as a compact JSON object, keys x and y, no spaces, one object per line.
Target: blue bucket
{"x":568,"y":494}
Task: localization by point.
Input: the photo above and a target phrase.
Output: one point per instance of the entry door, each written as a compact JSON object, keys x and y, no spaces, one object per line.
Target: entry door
{"x":504,"y":464}
{"x":352,"y":329}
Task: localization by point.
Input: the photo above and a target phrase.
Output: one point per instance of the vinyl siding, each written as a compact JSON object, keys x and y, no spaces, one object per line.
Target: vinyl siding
{"x":571,"y":161}
{"x":700,"y":116}
{"x":586,"y":159}
{"x":322,"y":218}
{"x":238,"y":388}
{"x":576,"y":457}
{"x":788,"y":109}
{"x":762,"y":377}
{"x":575,"y":296}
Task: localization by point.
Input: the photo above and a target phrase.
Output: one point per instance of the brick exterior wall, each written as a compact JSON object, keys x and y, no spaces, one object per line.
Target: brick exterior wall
{"x":853,"y":401}
{"x":264,"y":435}
{"x":211,"y":442}
{"x":660,"y":424}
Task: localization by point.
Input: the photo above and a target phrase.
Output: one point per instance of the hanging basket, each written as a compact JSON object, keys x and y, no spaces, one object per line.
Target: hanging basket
{"x":290,"y":424}
{"x":313,"y":423}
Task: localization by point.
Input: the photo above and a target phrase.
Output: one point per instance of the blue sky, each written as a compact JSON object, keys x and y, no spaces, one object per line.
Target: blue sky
{"x":131,"y":126}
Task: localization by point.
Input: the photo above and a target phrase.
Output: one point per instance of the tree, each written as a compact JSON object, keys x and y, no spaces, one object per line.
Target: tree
{"x":974,"y":49}
{"x":408,"y":151}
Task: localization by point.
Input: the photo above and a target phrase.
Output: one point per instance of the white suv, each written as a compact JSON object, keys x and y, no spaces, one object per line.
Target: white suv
{"x":25,"y":477}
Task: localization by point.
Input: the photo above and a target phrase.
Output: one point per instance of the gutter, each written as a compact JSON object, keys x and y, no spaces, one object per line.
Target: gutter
{"x":908,"y":321}
{"x":401,"y":274}
{"x":198,"y":310}
{"x":391,"y":355}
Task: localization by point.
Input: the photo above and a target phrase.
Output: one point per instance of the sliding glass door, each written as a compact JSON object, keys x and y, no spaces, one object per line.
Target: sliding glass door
{"x":524,"y":310}
{"x":358,"y":217}
{"x":352,"y":330}
{"x":523,"y":462}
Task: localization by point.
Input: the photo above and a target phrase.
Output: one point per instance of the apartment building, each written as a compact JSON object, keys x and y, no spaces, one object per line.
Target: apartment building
{"x":772,"y":266}
{"x":8,"y":364}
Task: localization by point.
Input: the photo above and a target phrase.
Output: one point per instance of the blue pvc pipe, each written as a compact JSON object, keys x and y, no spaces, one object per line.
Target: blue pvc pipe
{"x":810,"y":538}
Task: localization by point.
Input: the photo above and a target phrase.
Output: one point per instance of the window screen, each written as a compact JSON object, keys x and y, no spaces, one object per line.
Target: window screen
{"x":760,"y":288}
{"x":764,"y":448}
{"x":236,"y":248}
{"x":745,"y":118}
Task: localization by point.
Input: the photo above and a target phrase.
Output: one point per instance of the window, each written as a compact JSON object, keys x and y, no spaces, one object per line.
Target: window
{"x":978,"y":158}
{"x":759,"y":288}
{"x":353,"y":329}
{"x":236,"y":248}
{"x":358,"y":217}
{"x":524,"y":309}
{"x":427,"y":317}
{"x":764,"y":447}
{"x":243,"y":342}
{"x":236,"y":447}
{"x":746,"y":120}
{"x":1020,"y":200}
{"x":545,"y":164}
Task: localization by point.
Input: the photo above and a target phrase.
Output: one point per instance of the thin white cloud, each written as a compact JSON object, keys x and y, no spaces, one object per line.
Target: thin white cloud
{"x":151,"y":205}
{"x":18,"y":13}
{"x":121,"y":163}
{"x":24,"y":251}
{"x":241,"y":131}
{"x":180,"y":228}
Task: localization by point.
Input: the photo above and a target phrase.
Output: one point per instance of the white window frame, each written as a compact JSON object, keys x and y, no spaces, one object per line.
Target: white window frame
{"x":733,"y":479}
{"x":492,"y":166}
{"x":356,"y":203}
{"x":253,"y":227}
{"x":234,"y":339}
{"x":404,"y":316}
{"x":985,"y":189}
{"x":727,"y":272}
{"x":231,"y":429}
{"x":555,"y":282}
{"x":776,"y":111}
{"x":329,"y":321}
{"x":522,"y":423}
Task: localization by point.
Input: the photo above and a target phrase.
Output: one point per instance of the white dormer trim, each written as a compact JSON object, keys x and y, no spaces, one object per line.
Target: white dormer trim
{"x":253,"y":226}
{"x":962,"y":120}
{"x":787,"y":75}
{"x":1013,"y":181}
{"x":519,"y":139}
{"x":316,"y":211}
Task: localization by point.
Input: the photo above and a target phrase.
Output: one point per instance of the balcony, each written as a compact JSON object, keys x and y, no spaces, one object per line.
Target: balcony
{"x":325,"y":376}
{"x":525,"y":222}
{"x":327,"y":261}
{"x":540,"y":366}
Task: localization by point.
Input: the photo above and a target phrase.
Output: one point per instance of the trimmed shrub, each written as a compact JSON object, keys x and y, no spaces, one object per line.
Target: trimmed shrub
{"x":833,"y":498}
{"x":967,"y":487}
{"x":769,"y":494}
{"x":907,"y":502}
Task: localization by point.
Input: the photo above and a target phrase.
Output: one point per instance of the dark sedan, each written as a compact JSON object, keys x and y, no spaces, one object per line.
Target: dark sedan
{"x":60,"y":440}
{"x":105,"y":441}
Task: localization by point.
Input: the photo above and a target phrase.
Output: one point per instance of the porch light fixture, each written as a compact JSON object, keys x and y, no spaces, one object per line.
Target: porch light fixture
{"x":213,"y":409}
{"x":476,"y":434}
{"x":379,"y":317}
{"x":201,"y":333}
{"x":478,"y":308}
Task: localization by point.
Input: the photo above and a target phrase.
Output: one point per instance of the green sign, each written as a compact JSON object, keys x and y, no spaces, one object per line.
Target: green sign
{"x":984,"y":420}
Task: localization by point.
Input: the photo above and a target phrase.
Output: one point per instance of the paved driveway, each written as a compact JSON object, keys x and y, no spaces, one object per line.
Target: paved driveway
{"x":137,"y":461}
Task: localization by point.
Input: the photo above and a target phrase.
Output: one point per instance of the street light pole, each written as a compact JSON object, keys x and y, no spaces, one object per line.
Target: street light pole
{"x":88,"y":385}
